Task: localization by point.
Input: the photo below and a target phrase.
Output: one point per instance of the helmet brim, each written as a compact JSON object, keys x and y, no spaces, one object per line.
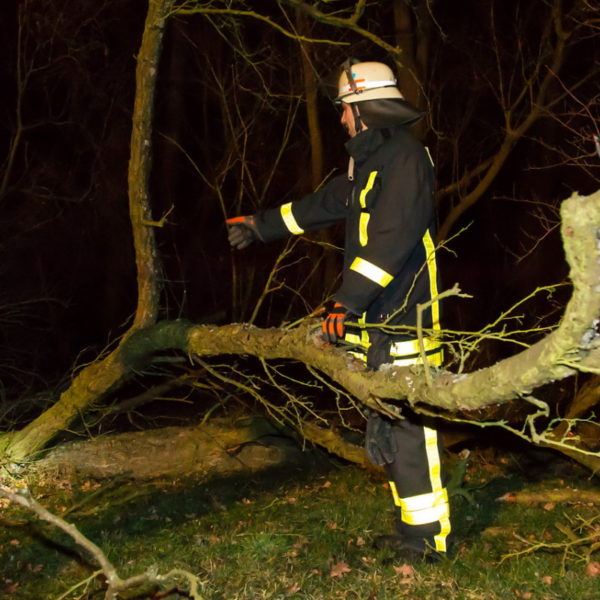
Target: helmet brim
{"x":381,"y":93}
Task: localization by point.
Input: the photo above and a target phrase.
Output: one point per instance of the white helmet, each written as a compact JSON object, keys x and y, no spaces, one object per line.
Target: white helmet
{"x":366,"y":81}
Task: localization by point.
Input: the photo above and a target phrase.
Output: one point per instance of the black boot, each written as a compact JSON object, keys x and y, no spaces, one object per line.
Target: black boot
{"x":409,"y":551}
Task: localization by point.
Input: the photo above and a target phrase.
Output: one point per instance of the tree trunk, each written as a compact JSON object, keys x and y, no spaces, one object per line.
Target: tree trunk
{"x":312,"y":112}
{"x":218,"y":447}
{"x":103,"y":374}
{"x":409,"y":77}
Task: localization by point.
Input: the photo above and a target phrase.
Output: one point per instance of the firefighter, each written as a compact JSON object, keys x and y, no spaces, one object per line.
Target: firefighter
{"x":386,"y":200}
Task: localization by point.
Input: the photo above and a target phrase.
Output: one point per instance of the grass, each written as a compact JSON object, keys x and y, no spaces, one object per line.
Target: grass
{"x":301,"y":534}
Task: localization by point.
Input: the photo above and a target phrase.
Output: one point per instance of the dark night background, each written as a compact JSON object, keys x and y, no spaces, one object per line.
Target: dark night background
{"x":229,"y":106}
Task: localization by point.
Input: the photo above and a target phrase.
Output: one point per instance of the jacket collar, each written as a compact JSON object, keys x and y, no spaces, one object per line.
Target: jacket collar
{"x":362,"y":145}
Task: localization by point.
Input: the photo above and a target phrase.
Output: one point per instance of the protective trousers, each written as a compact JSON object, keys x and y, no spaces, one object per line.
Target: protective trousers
{"x":410,"y":451}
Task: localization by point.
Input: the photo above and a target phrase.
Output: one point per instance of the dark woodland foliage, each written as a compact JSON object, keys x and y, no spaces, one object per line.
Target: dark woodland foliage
{"x":231,"y":137}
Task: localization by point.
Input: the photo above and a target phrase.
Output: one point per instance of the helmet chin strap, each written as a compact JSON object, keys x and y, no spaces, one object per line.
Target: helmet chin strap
{"x":358,"y":124}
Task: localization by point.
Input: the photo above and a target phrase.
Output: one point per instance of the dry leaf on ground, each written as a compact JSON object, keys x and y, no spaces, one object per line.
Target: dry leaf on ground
{"x":592,"y":569}
{"x":407,"y":571}
{"x":339,"y":569}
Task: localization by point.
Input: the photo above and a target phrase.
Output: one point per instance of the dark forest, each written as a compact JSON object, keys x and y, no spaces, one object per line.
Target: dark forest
{"x":123,"y":307}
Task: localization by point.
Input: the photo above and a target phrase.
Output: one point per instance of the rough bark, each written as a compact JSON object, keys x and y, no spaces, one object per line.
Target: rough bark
{"x":218,"y":447}
{"x":140,"y":163}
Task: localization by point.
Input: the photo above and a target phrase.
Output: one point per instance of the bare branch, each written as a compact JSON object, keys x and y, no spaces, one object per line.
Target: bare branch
{"x":23,"y":497}
{"x":191,"y":7}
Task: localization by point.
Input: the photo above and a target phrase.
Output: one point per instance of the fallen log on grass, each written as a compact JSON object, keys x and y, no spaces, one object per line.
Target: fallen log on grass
{"x":216,"y":448}
{"x":557,"y":496}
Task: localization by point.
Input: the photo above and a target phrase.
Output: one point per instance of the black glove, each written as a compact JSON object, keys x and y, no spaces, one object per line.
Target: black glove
{"x":334,"y":325}
{"x":242,"y":231}
{"x":380,"y":442}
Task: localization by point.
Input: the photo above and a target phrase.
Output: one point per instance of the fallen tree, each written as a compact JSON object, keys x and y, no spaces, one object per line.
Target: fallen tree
{"x":572,"y":346}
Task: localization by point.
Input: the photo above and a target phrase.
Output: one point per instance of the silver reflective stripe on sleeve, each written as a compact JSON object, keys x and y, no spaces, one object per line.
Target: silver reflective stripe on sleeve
{"x":289,"y":219}
{"x":371,"y":271}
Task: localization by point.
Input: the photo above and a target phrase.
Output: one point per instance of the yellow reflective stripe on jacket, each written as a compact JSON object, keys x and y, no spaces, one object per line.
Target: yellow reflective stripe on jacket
{"x":371,"y":271}
{"x":432,"y":359}
{"x":290,"y":220}
{"x":407,"y":353}
{"x":368,"y":187}
{"x":363,"y":236}
{"x":362,"y":338}
{"x":432,"y":271}
{"x":352,"y":338}
{"x":363,"y":222}
{"x":358,"y":355}
{"x":412,"y":346}
{"x":358,"y":340}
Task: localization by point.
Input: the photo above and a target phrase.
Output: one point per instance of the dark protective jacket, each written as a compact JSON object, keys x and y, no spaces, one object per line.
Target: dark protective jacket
{"x":389,"y":260}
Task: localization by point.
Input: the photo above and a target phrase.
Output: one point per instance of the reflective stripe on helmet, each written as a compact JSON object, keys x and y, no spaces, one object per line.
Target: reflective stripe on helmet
{"x":362,"y":84}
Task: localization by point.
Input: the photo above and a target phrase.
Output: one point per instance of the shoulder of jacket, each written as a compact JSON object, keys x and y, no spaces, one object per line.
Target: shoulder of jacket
{"x":400,"y":147}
